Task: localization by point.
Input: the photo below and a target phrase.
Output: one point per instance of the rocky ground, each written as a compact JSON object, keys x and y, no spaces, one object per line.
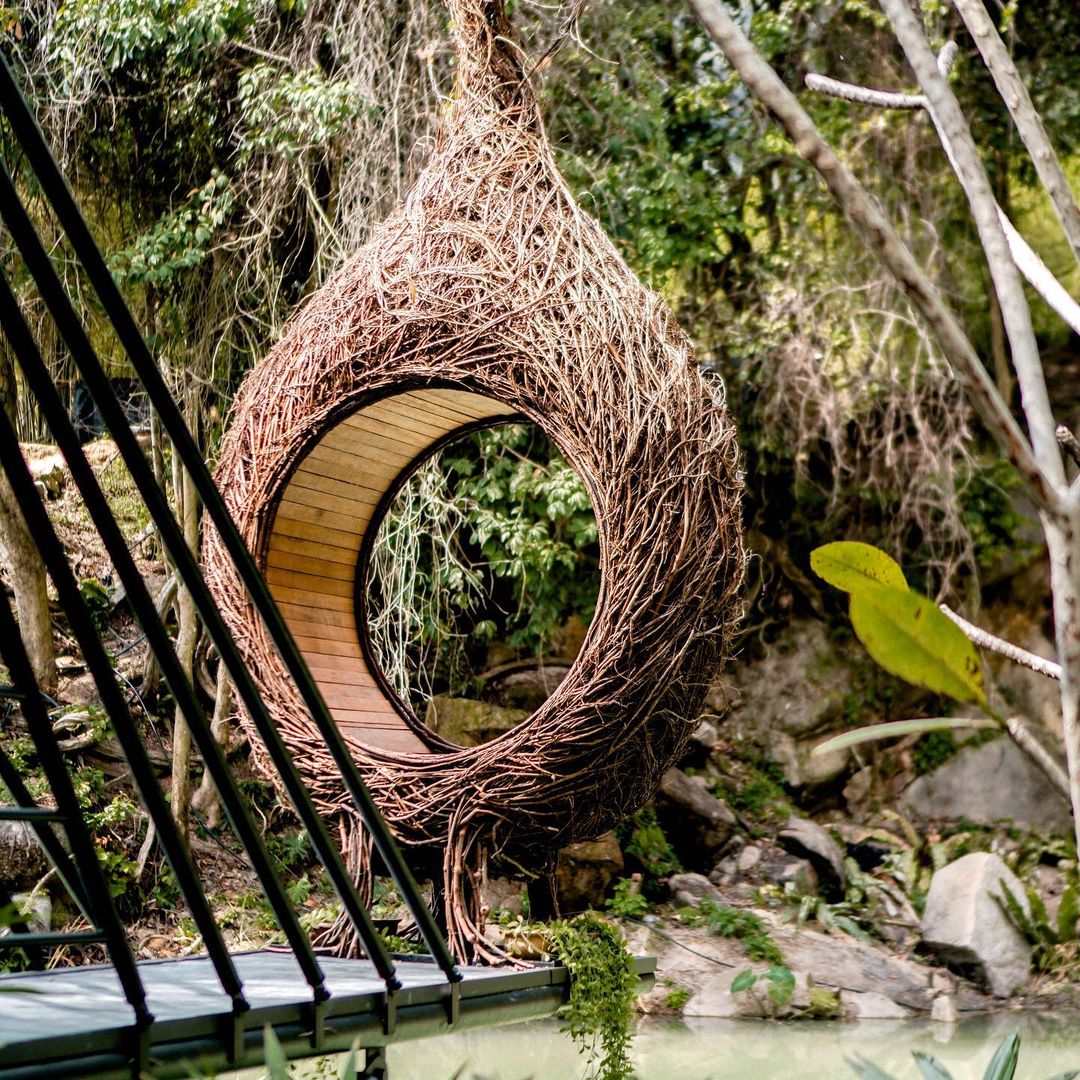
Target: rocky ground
{"x":766,"y":879}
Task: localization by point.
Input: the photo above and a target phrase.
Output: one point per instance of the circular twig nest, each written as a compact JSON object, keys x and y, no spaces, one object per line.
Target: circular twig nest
{"x":491,"y":284}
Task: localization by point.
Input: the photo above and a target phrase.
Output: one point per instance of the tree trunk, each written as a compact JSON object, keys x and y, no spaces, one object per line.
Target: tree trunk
{"x":186,"y":640}
{"x":24,"y":561}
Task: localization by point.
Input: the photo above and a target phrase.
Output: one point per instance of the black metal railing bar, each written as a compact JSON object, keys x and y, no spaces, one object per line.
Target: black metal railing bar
{"x":56,"y":191}
{"x":37,"y":378}
{"x":107,"y":925}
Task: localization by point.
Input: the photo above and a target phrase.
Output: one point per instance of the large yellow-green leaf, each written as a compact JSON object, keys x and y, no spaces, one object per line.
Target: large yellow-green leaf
{"x":909,"y":637}
{"x":850,"y":566}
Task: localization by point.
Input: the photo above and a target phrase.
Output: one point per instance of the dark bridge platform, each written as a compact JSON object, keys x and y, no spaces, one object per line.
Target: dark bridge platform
{"x":75,"y":1022}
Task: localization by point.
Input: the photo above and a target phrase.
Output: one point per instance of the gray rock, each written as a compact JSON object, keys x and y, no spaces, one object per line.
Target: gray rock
{"x":586,"y":870}
{"x":870,"y":1005}
{"x":696,"y":822}
{"x":690,"y":889}
{"x":22,"y":861}
{"x":467,"y":722}
{"x":944,"y":1010}
{"x":964,"y":924}
{"x":802,"y":767}
{"x":37,"y":909}
{"x":1020,"y":792}
{"x":809,"y":840}
{"x":504,"y":894}
{"x":689,"y":956}
{"x":748,"y":858}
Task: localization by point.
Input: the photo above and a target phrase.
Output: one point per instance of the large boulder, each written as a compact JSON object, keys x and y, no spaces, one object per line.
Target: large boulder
{"x":1020,"y":792}
{"x":697,"y":824}
{"x":467,"y":722}
{"x":785,"y":702}
{"x":585,"y":871}
{"x":965,"y":926}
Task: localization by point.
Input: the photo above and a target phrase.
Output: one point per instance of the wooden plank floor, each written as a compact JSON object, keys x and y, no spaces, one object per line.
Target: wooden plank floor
{"x":72,"y":1021}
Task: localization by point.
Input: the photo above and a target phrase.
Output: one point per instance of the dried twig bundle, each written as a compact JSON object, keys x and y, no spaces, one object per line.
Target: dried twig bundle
{"x":490,"y":278}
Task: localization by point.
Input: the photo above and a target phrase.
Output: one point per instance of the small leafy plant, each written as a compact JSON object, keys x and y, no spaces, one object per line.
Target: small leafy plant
{"x":778,"y":983}
{"x":602,"y":988}
{"x":1002,"y":1065}
{"x":627,"y":901}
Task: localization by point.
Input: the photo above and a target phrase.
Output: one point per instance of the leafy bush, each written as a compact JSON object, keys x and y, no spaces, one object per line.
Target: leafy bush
{"x":602,"y":988}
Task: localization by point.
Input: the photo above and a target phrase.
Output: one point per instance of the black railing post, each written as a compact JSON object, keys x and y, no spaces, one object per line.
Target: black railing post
{"x":56,"y":191}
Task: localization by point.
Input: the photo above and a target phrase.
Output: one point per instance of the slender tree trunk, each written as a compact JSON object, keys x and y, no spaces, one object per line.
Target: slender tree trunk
{"x":24,"y":561}
{"x":206,"y":799}
{"x":186,"y":640}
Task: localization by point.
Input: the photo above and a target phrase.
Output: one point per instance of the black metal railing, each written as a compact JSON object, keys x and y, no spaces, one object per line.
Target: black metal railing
{"x":80,"y":872}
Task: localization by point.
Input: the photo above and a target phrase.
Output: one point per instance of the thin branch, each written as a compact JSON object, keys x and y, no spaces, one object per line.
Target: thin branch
{"x":864,"y":95}
{"x":1035,"y":750}
{"x":1028,"y":122}
{"x":977,"y":636}
{"x":948,"y":118}
{"x":1027,"y":260}
{"x":876,"y":232}
{"x":1069,"y":442}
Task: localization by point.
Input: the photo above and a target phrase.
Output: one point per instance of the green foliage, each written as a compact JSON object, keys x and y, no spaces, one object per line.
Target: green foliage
{"x":778,"y":982}
{"x":644,"y":839}
{"x":1002,"y":1065}
{"x":1047,"y":937}
{"x":906,"y":633}
{"x":493,"y":540}
{"x":677,"y":998}
{"x":294,"y":112}
{"x":851,"y":566}
{"x":602,"y":989}
{"x":729,"y":922}
{"x":627,"y":901}
{"x":895,"y":728}
{"x":179,"y":239}
{"x":127,"y":32}
{"x":277,"y":1064}
{"x":753,"y":785}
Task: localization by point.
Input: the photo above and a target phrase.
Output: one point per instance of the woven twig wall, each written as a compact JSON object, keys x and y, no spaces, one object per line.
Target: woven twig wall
{"x":492,"y":279}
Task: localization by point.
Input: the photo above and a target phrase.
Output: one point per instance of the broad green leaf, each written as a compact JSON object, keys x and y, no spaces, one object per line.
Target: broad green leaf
{"x":910,"y":637}
{"x":277,"y":1064}
{"x":1003,"y":1064}
{"x":850,"y":566}
{"x":929,"y":1067}
{"x":743,"y":981}
{"x":780,"y":973}
{"x":867,"y":1070}
{"x":896,"y":728}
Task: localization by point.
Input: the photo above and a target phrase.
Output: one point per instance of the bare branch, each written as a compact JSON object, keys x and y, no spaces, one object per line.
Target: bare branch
{"x":876,"y":232}
{"x":1069,"y":442}
{"x":864,"y":95}
{"x":1035,"y":750}
{"x":949,"y":120}
{"x":1028,"y":122}
{"x":1038,"y":274}
{"x":985,"y":640}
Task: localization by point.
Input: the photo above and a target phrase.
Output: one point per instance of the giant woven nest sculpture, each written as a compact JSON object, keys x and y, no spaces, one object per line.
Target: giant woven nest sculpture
{"x":488,"y":293}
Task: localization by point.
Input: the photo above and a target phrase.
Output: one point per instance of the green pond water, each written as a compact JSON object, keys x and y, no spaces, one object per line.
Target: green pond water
{"x":742,"y":1050}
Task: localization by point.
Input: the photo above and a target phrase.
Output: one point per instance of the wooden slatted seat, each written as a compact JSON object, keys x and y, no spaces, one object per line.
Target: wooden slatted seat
{"x":325,"y":521}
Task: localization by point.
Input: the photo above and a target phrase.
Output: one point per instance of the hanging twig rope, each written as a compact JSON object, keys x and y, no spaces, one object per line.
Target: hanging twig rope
{"x":492,"y":279}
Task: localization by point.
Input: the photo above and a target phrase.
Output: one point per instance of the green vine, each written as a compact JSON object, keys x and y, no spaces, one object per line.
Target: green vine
{"x":602,"y":988}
